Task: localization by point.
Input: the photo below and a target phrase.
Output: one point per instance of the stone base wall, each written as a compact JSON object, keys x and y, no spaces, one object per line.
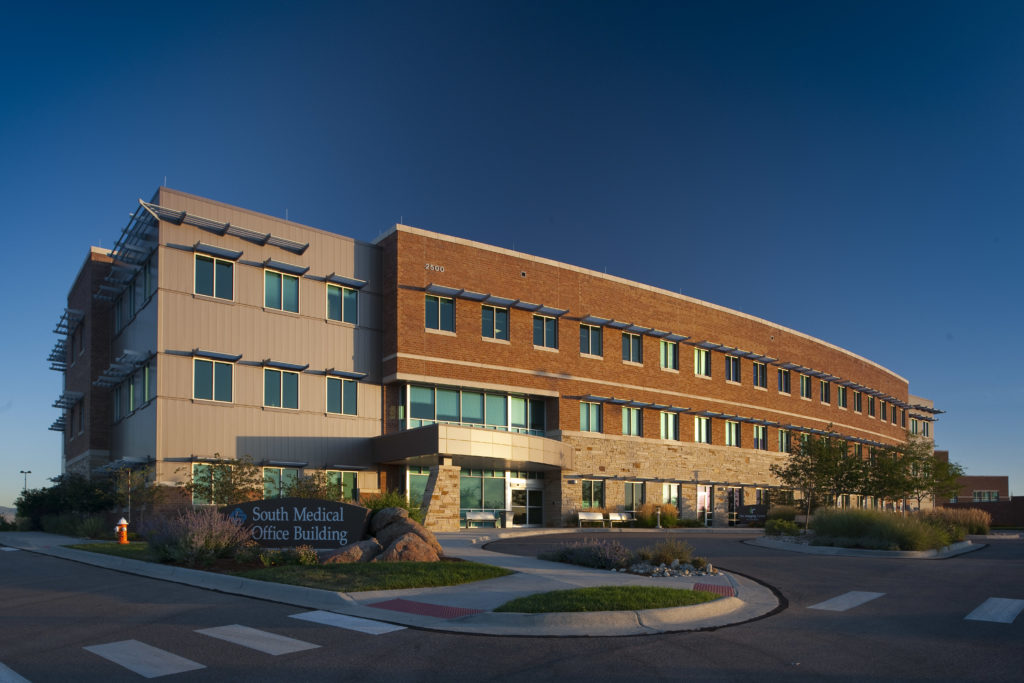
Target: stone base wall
{"x":618,"y":459}
{"x":441,"y":498}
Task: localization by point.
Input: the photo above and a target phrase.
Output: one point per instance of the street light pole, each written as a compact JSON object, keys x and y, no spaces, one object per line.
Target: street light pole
{"x":24,"y":486}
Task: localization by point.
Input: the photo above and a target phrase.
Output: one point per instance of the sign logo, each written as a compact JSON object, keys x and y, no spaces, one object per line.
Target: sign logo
{"x":238,"y":516}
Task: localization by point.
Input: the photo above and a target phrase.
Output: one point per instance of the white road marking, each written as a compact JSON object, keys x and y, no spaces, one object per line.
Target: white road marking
{"x":374,"y":628}
{"x":252,"y":638}
{"x":846,"y":601}
{"x":9,"y":550}
{"x":8,"y":675}
{"x":999,"y":610}
{"x":145,"y":660}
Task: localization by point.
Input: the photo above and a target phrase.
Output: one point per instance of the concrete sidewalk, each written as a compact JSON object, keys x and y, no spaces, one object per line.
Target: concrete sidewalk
{"x":466,"y":608}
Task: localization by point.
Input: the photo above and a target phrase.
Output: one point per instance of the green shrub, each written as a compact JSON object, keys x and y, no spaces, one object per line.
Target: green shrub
{"x":6,"y":525}
{"x":786,"y":512}
{"x":194,"y":536}
{"x":248,"y":552}
{"x":689,"y":523}
{"x":780,"y":527}
{"x":647,"y":515}
{"x":879,"y":529}
{"x":390,"y":499}
{"x":78,"y":524}
{"x":972,"y":520}
{"x":699,"y":562}
{"x":599,"y":554}
{"x":666,"y":551}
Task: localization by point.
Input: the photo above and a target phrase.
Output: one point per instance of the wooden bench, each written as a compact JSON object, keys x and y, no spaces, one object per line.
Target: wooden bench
{"x":481,"y":517}
{"x":590,"y":517}
{"x":620,"y":517}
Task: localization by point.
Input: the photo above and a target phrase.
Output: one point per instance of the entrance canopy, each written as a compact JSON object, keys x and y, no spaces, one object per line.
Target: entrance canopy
{"x":472,"y":447}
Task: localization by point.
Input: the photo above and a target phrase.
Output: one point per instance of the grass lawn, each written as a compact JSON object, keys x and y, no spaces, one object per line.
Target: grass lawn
{"x":346,"y":578}
{"x":607,"y":598}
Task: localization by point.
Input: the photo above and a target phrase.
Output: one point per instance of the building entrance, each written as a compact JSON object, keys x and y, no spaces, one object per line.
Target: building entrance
{"x":706,"y":504}
{"x":527,"y":504}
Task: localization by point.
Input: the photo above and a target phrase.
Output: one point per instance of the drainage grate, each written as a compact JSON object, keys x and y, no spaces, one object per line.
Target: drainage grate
{"x":726,"y":591}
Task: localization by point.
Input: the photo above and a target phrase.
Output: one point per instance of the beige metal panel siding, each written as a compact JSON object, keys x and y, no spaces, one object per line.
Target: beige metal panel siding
{"x":134,"y":437}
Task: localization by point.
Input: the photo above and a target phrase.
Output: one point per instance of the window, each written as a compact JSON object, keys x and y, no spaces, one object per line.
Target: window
{"x":501,"y":412}
{"x":590,"y":340}
{"x":202,"y":480}
{"x":985,"y":497}
{"x":925,"y":428}
{"x":342,"y":485}
{"x":732,"y":433}
{"x":278,"y":480}
{"x":871,"y":406}
{"x":670,"y":426}
{"x":702,"y":429}
{"x":858,"y":451}
{"x":545,"y":332}
{"x":805,"y":386}
{"x":631,"y":421}
{"x":481,"y":489}
{"x":913,"y":426}
{"x":214,"y":277}
{"x":494,"y":322}
{"x":590,"y":417}
{"x":857,"y":401}
{"x":669,"y":355}
{"x":211,"y":380}
{"x":702,"y":362}
{"x":893,"y":411}
{"x":342,"y":304}
{"x":784,"y":381}
{"x":281,"y":291}
{"x":785,"y":441}
{"x":826,"y":391}
{"x":884,"y":407}
{"x":341,"y":396}
{"x":841,"y":396}
{"x":634,"y":496}
{"x":440,"y":313}
{"x":903,"y":418}
{"x":593,"y":494}
{"x":632,"y":348}
{"x":527,"y":415}
{"x":760,"y":437}
{"x":280,"y":389}
{"x":732,"y":369}
{"x":760,"y":371}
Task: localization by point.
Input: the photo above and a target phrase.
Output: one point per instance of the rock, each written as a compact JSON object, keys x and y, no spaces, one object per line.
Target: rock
{"x":364,"y":551}
{"x":408,"y":548}
{"x":400,"y":527}
{"x":386,"y":516}
{"x":675,"y":563}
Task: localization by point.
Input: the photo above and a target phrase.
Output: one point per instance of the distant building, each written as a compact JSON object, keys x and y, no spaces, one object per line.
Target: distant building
{"x":476,"y":378}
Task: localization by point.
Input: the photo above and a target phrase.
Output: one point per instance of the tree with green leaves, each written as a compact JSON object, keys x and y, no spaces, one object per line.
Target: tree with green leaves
{"x":316,"y":485}
{"x":225,"y":482}
{"x":929,"y":476}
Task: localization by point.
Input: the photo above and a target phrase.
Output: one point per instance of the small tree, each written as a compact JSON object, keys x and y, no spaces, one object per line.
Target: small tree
{"x":225,"y":482}
{"x":71,"y":493}
{"x":134,"y":488}
{"x":799,"y":473}
{"x":888,"y":475}
{"x":315,"y":485}
{"x":820,"y":466}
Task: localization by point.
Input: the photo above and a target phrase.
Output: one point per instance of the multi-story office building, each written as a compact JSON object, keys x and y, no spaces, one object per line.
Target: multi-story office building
{"x":473,"y":376}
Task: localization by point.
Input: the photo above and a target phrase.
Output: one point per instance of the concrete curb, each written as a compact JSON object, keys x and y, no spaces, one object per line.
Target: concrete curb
{"x":752,"y":599}
{"x":953,"y":550}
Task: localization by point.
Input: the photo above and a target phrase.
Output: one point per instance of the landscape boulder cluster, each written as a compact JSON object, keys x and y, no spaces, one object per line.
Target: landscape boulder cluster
{"x":395,"y":538}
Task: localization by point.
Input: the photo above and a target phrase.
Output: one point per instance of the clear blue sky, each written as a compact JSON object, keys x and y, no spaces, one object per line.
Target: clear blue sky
{"x":849,"y":169}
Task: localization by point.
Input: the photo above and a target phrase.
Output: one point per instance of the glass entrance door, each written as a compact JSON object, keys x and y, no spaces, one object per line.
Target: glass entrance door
{"x":706,"y":504}
{"x":527,"y":507}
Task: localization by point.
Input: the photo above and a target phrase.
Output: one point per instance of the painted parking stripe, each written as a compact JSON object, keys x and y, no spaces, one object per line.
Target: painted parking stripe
{"x":7,"y":675}
{"x":145,"y":660}
{"x":999,"y":610}
{"x":374,"y":628}
{"x":254,"y":639}
{"x":846,"y":601}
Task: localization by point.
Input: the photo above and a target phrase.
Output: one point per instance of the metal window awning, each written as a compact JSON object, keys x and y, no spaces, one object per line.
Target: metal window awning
{"x":347,"y":374}
{"x":219,"y":252}
{"x":60,"y":424}
{"x":212,"y":355}
{"x":68,"y":399}
{"x":277,"y":365}
{"x":284,"y":463}
{"x":120,"y":368}
{"x":285,"y":267}
{"x":221,"y":228}
{"x":68,"y":321}
{"x":352,"y":282}
{"x":494,"y":300}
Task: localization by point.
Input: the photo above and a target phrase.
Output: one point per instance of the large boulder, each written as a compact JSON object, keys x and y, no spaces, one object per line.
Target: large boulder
{"x":386,"y":516}
{"x":408,"y":548}
{"x":364,"y":551}
{"x":401,"y":527}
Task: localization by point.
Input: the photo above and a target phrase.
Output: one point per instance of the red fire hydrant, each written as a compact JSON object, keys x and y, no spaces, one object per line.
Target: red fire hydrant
{"x":122,"y":531}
